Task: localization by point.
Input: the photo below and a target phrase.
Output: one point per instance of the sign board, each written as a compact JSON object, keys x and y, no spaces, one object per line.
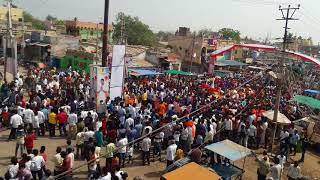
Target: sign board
{"x":11,"y":53}
{"x":99,"y":83}
{"x":117,"y":71}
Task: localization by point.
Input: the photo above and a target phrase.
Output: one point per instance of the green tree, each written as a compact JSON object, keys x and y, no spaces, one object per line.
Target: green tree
{"x":228,"y":33}
{"x":136,"y":32}
{"x":163,"y":36}
{"x":205,"y":32}
{"x":51,"y":18}
{"x":36,"y":23}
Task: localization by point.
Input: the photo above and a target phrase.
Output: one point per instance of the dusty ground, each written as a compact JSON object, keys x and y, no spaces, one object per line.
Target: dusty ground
{"x":310,"y":167}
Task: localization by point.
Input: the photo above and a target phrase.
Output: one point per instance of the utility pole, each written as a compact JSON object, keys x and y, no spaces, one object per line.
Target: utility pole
{"x":97,"y":43}
{"x":192,"y":51}
{"x":105,"y":51}
{"x":9,"y":37}
{"x":122,"y":30}
{"x":286,"y":16}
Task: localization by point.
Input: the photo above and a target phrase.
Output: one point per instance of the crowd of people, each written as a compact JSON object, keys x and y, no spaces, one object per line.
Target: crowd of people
{"x":171,"y":115}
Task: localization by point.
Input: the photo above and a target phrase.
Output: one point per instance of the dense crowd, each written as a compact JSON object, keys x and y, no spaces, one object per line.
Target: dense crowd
{"x":171,"y":114}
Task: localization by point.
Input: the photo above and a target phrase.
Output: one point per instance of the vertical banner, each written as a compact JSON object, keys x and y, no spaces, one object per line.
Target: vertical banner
{"x":10,"y":50}
{"x":99,"y":83}
{"x":117,"y":71}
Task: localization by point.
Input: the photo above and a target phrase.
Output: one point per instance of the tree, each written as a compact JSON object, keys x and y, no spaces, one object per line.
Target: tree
{"x":205,"y":32}
{"x":163,"y":36}
{"x":51,"y":18}
{"x":36,"y":23}
{"x":228,"y":33}
{"x":136,"y":32}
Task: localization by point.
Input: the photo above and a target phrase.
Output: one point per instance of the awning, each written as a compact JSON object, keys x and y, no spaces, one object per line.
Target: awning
{"x":229,"y":149}
{"x":282,"y":119}
{"x":176,"y":72}
{"x":143,"y":72}
{"x":312,"y":92}
{"x":309,"y":101}
{"x":230,"y":63}
{"x":191,"y":171}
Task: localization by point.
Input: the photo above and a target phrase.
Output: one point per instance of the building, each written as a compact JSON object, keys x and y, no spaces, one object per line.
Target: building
{"x":183,"y":31}
{"x":87,"y":31}
{"x":16,"y":14}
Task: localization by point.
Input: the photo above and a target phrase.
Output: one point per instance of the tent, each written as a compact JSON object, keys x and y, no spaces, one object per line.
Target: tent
{"x":229,"y":63}
{"x":176,"y":72}
{"x":312,"y":92}
{"x":282,"y":119}
{"x":143,"y":72}
{"x":231,"y":151}
{"x":309,"y":101}
{"x":191,"y":171}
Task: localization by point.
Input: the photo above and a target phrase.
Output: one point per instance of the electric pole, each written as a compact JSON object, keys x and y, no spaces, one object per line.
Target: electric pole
{"x":122,"y":39}
{"x":287,"y":15}
{"x":192,"y":51}
{"x":97,"y":43}
{"x":105,"y":51}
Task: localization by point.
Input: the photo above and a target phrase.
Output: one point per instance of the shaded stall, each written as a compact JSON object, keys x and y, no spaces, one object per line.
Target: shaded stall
{"x":143,"y":72}
{"x":309,"y":101}
{"x":282,"y":119}
{"x":233,"y":152}
{"x":191,"y":171}
{"x":176,"y":72}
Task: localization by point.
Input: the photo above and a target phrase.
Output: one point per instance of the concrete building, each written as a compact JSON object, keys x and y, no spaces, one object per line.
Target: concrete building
{"x":87,"y":31}
{"x":16,"y":14}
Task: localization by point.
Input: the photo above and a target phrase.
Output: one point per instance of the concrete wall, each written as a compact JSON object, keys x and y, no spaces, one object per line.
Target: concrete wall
{"x":152,"y":58}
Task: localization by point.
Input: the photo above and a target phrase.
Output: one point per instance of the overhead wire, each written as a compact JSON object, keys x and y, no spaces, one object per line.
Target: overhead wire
{"x":156,"y":130}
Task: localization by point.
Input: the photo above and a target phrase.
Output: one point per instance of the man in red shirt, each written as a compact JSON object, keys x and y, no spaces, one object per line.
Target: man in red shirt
{"x":62,"y":118}
{"x":28,"y":141}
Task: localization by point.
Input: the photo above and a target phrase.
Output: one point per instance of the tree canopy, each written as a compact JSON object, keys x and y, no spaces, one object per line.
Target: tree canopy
{"x":36,"y":23}
{"x":228,"y":33}
{"x":136,"y":32}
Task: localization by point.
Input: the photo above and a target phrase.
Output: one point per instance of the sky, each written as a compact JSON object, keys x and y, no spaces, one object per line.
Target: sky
{"x":253,"y":18}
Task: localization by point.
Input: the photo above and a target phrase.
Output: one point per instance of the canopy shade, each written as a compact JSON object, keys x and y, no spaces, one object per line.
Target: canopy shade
{"x":309,"y":101}
{"x":229,"y":63}
{"x":282,"y":119}
{"x":312,"y":92}
{"x":143,"y":72}
{"x":176,"y":72}
{"x":229,"y":149}
{"x":191,"y":171}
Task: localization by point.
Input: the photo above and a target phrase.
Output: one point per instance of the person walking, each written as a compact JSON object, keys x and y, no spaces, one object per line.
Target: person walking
{"x":110,"y":149}
{"x":37,"y":163}
{"x":62,"y":119}
{"x":171,"y":152}
{"x":294,"y":171}
{"x":122,"y":146}
{"x":145,"y":146}
{"x":15,"y":122}
{"x":20,"y":140}
{"x":52,"y":123}
{"x":72,"y":122}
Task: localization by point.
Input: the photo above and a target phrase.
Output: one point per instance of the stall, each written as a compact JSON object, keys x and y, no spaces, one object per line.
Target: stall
{"x":143,"y":72}
{"x":282,"y":119}
{"x":176,"y":72}
{"x":309,"y":101}
{"x":191,"y":171}
{"x":233,"y":152}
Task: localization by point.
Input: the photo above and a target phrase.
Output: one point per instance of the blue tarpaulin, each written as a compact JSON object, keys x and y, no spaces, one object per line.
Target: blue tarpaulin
{"x":229,"y":149}
{"x":312,"y":92}
{"x":143,"y":72}
{"x":230,"y":63}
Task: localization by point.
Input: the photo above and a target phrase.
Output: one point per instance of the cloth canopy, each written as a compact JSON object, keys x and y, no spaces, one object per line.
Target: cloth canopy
{"x":176,"y":72}
{"x":282,"y":119}
{"x":309,"y":101}
{"x":229,"y":63}
{"x":229,"y":149}
{"x":143,"y":72}
{"x":191,"y":171}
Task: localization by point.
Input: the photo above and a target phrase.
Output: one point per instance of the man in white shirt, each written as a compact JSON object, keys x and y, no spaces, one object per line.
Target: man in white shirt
{"x":72,"y":122}
{"x":129,"y":122}
{"x":171,"y":152}
{"x":15,"y":122}
{"x":252,"y":133}
{"x":275,"y":170}
{"x":28,"y":116}
{"x":146,"y":144}
{"x":122,"y":145}
{"x":227,"y":127}
{"x":294,"y":171}
{"x":37,"y":163}
{"x":41,"y":119}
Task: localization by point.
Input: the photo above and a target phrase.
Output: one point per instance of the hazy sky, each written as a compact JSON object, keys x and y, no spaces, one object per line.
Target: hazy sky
{"x":254,"y":18}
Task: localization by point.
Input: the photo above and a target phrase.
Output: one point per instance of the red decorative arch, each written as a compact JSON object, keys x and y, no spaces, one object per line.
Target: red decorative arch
{"x":221,"y":51}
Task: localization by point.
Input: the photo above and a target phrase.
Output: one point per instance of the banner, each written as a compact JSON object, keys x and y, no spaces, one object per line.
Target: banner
{"x":100,"y":83}
{"x":10,"y":50}
{"x":117,"y":71}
